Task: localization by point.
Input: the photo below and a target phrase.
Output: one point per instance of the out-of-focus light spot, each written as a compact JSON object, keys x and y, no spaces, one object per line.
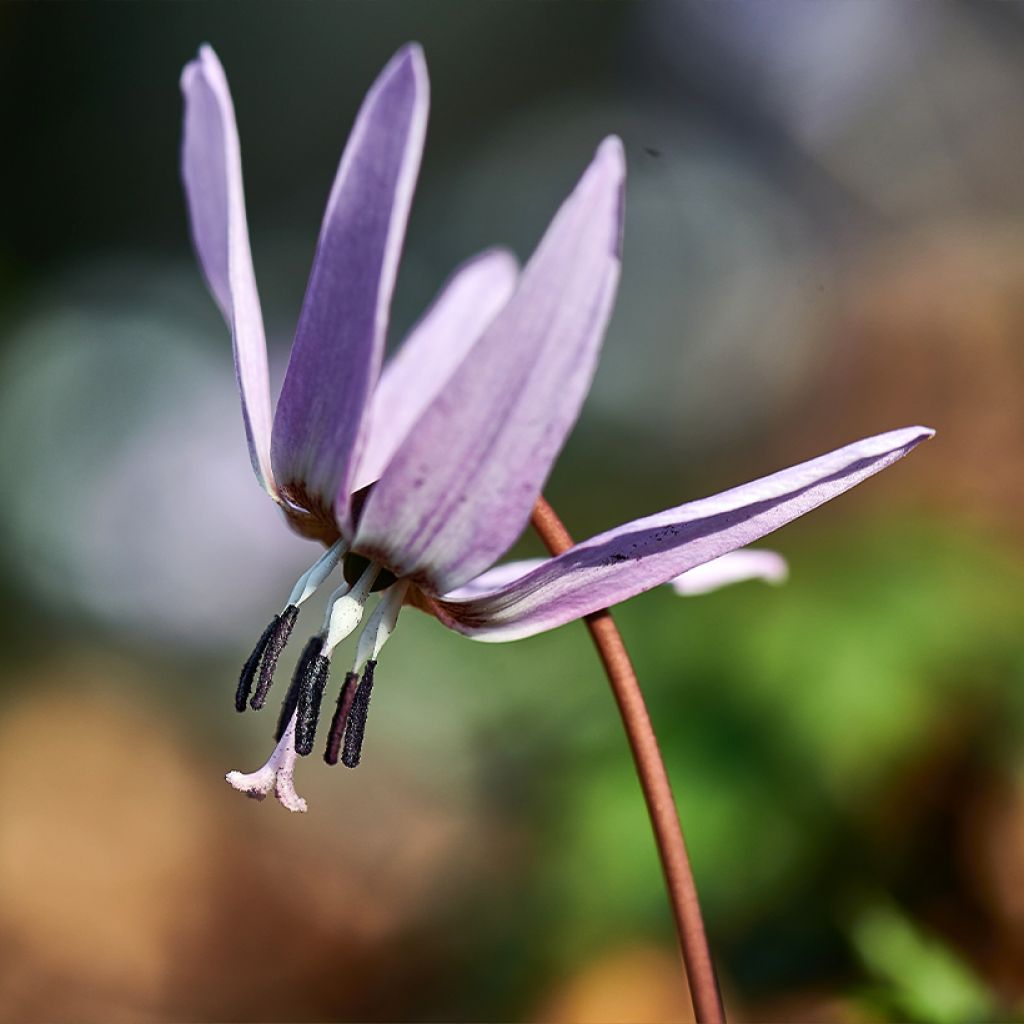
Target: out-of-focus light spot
{"x":636,"y":983}
{"x":814,"y":66}
{"x":128,"y":489}
{"x":103,"y":854}
{"x":712,"y":329}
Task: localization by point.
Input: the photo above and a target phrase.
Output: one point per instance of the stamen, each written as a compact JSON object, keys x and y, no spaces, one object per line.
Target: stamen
{"x":346,"y":609}
{"x":252,"y":664}
{"x":311,"y":579}
{"x":380,"y":625}
{"x":357,"y":719}
{"x":309,"y":653}
{"x":311,"y":693}
{"x":277,"y":774}
{"x":354,"y":703}
{"x":283,"y":625}
{"x":345,"y":698}
{"x":263,"y":659}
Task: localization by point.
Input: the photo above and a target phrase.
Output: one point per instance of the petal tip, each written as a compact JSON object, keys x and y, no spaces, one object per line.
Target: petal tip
{"x":915,"y":435}
{"x":409,"y":60}
{"x":611,"y":159}
{"x":903,"y":438}
{"x":776,"y":571}
{"x":611,"y":148}
{"x":206,"y":67}
{"x":189,"y":73}
{"x":209,"y":61}
{"x":496,"y":259}
{"x":411,"y":51}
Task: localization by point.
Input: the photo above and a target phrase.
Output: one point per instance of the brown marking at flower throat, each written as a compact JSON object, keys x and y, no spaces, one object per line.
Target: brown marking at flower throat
{"x":307,"y":516}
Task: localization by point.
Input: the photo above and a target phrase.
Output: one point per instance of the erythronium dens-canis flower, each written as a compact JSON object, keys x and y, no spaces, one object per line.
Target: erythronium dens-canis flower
{"x":418,"y":478}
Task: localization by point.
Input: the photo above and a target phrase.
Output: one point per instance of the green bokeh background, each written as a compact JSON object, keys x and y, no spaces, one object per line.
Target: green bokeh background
{"x":823,"y":241}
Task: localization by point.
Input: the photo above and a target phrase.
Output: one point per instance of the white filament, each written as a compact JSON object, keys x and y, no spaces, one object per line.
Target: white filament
{"x":345,"y":610}
{"x":380,"y":625}
{"x":277,"y":774}
{"x":308,"y":582}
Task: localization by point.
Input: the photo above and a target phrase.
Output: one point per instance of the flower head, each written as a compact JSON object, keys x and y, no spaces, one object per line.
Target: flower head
{"x":418,"y":478}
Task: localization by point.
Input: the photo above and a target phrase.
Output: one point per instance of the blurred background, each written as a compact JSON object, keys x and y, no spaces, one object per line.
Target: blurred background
{"x":823,"y":241}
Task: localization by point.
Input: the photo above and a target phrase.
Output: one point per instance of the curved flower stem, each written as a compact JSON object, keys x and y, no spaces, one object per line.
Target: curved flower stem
{"x":668,"y":832}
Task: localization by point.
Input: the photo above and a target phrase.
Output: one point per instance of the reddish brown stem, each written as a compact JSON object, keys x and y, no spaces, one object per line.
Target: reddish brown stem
{"x":668,"y":832}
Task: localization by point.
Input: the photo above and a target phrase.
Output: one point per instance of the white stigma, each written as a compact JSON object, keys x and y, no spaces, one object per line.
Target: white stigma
{"x":307,"y":584}
{"x":278,"y":774}
{"x":380,"y":625}
{"x":345,"y":611}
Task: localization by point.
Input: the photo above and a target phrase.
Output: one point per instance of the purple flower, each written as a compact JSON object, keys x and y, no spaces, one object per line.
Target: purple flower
{"x":418,"y":478}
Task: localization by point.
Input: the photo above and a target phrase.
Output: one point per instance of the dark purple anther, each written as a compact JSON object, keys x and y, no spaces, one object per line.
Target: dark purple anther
{"x":283,"y":625}
{"x":312,"y":682}
{"x":345,"y":698}
{"x":356,"y":724}
{"x":252,"y":665}
{"x":309,"y":653}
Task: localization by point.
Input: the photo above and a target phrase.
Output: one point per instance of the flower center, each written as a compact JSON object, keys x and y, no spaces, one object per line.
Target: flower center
{"x":355,"y":565}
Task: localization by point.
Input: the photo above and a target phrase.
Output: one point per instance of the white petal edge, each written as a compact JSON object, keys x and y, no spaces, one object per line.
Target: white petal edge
{"x":211,"y":168}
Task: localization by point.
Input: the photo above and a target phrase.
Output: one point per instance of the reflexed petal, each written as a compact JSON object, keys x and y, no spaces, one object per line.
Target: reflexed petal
{"x":340,"y":338}
{"x":494,"y":579}
{"x":630,"y":559}
{"x":735,"y":567}
{"x":212,"y":171}
{"x":460,"y":488}
{"x":435,"y":347}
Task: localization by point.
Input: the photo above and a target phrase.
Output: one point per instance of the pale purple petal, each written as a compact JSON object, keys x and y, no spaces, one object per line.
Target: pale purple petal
{"x":635,"y":557}
{"x":339,"y":342}
{"x":432,"y":352}
{"x":735,"y":567}
{"x":211,"y":167}
{"x":460,"y":488}
{"x":494,"y":579}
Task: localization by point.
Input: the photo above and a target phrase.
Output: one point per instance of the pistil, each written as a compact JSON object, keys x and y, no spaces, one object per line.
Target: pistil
{"x":277,"y":774}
